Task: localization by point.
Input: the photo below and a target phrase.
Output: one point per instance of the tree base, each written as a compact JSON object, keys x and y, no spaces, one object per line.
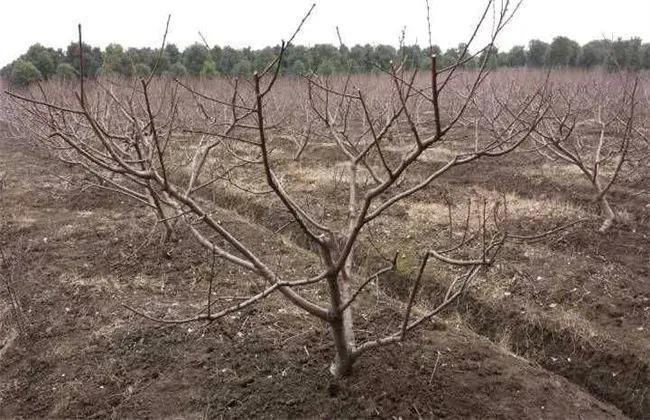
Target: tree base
{"x":339,"y":370}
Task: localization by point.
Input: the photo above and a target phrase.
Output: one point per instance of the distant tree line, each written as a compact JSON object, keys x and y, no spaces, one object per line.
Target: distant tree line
{"x":40,"y":62}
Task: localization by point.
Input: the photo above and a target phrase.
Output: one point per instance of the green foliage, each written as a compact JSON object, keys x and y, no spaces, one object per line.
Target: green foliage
{"x":6,"y":71}
{"x":645,"y":56}
{"x":322,"y":53}
{"x":193,"y":58}
{"x":412,"y":56}
{"x":627,"y":53}
{"x":491,"y":58}
{"x":298,"y":68}
{"x":595,"y":53}
{"x":215,"y":55}
{"x":327,"y":68}
{"x":93,"y":58}
{"x":537,"y":51}
{"x":141,"y":55}
{"x":178,"y":70}
{"x":161,"y":65}
{"x":172,"y":53}
{"x":425,"y":57}
{"x":116,"y":61}
{"x":325,"y":59}
{"x":45,"y":59}
{"x":460,"y":54}
{"x":227,"y":60}
{"x":383,"y":56}
{"x":562,"y":52}
{"x":262,"y":58}
{"x":209,"y":68}
{"x":243,"y":68}
{"x":66,"y":71}
{"x":142,"y":70}
{"x":363,"y":55}
{"x":24,"y":72}
{"x":516,"y":57}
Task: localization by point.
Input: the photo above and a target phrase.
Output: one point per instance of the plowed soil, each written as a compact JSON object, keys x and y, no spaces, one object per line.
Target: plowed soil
{"x":69,"y":349}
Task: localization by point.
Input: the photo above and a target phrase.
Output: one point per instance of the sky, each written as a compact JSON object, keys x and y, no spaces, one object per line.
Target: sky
{"x":259,"y":23}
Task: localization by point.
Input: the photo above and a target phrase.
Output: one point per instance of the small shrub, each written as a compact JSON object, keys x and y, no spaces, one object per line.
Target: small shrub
{"x":24,"y":72}
{"x":66,"y":71}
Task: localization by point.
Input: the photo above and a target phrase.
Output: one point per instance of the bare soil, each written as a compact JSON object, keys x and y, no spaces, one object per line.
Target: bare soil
{"x":69,"y":349}
{"x":576,"y":303}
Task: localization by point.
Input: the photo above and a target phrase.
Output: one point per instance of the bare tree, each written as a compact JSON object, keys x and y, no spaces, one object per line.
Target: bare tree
{"x":165,"y":143}
{"x":592,"y":126}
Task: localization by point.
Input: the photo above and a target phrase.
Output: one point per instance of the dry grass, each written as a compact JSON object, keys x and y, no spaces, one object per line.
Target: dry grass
{"x":540,"y":209}
{"x":566,"y":173}
{"x":569,"y":319}
{"x":431,"y":213}
{"x":108,"y":284}
{"x":437,"y":155}
{"x":553,"y":171}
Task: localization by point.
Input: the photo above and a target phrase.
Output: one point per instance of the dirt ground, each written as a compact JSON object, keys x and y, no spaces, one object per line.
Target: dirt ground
{"x":576,"y":302}
{"x":69,"y":349}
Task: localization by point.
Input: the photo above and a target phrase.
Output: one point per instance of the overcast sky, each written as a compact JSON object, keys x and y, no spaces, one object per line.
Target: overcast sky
{"x":258,"y":23}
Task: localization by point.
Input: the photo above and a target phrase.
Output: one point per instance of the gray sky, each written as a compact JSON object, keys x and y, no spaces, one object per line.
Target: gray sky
{"x":258,"y":23}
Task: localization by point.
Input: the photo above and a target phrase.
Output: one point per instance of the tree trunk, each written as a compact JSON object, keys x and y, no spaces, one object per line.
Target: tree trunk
{"x":342,"y":365}
{"x":610,"y":216}
{"x":607,"y":210}
{"x":168,"y":236}
{"x":348,"y":324}
{"x":342,"y":327}
{"x":343,"y":280}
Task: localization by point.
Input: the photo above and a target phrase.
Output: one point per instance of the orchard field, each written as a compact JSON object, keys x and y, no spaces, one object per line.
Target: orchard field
{"x":536,"y":182}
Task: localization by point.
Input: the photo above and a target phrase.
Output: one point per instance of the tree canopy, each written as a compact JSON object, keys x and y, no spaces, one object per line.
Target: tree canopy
{"x":199,"y":60}
{"x":24,"y":72}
